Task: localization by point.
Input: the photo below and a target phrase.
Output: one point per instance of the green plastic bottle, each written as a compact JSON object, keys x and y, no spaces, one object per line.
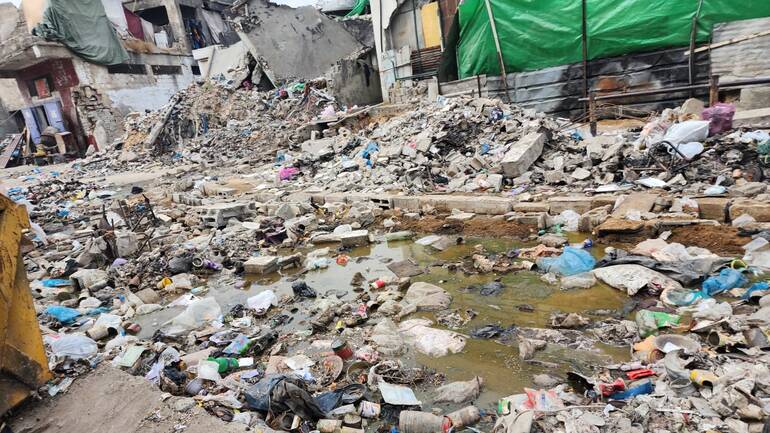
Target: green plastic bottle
{"x":225,"y":364}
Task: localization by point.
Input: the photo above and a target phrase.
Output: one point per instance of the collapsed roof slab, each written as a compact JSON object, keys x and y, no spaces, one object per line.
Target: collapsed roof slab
{"x":295,"y":43}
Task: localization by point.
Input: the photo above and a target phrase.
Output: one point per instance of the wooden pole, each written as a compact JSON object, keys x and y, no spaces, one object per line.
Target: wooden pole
{"x":691,"y":58}
{"x":584,"y":39}
{"x":713,"y":90}
{"x":497,"y":46}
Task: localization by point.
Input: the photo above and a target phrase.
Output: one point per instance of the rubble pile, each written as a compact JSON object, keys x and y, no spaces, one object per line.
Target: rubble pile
{"x":211,"y":123}
{"x":238,"y":281}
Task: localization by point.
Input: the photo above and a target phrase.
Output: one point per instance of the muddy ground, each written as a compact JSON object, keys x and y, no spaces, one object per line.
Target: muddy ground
{"x":108,"y":400}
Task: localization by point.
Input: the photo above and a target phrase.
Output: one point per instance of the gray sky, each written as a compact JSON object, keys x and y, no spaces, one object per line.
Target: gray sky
{"x":16,"y":2}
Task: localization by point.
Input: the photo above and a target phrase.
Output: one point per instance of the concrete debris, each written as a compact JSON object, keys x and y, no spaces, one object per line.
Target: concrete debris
{"x":276,"y":252}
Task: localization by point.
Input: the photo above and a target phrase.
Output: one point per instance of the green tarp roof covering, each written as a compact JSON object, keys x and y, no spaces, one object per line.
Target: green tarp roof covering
{"x":536,"y":34}
{"x":83,"y":27}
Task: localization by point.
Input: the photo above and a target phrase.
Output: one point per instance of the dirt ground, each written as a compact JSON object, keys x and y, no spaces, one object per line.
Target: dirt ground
{"x":478,"y":226}
{"x":722,"y":240}
{"x":108,"y":400}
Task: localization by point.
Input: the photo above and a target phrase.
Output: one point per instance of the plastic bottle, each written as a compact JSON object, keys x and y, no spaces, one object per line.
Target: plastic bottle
{"x":645,"y":387}
{"x":225,"y":364}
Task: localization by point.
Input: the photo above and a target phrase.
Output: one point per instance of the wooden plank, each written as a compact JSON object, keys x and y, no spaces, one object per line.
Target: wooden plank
{"x":730,"y":42}
{"x":9,"y":150}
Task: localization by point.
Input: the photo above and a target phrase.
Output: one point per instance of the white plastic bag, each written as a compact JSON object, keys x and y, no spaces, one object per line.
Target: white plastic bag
{"x":262,"y":301}
{"x":74,"y":346}
{"x":685,"y":132}
{"x":194,"y":316}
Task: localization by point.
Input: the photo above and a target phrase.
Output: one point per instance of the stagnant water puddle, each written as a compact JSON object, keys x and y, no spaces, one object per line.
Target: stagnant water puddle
{"x":498,"y":364}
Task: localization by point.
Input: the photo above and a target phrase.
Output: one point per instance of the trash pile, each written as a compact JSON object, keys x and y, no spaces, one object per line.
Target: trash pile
{"x":225,"y":281}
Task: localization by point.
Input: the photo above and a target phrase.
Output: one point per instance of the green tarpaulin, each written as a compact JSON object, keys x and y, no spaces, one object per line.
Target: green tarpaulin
{"x":83,"y":27}
{"x":536,"y":34}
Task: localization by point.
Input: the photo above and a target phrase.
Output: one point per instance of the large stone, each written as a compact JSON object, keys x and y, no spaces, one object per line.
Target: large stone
{"x":148,"y":296}
{"x":356,"y":238}
{"x":759,"y":210}
{"x":581,"y":173}
{"x":752,"y":118}
{"x":523,"y":154}
{"x":596,"y":146}
{"x":427,"y":297}
{"x":261,"y":265}
{"x":749,"y":189}
{"x":580,"y":205}
{"x":713,"y":208}
{"x":536,"y":206}
{"x":640,"y":201}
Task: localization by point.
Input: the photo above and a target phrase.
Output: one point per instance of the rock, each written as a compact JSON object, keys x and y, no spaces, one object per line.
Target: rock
{"x":691,"y":109}
{"x":568,"y":321}
{"x":545,"y":381}
{"x":286,"y":212}
{"x":128,"y":156}
{"x":427,"y":297}
{"x":430,"y":341}
{"x":261,"y":265}
{"x":459,"y":392}
{"x":405,"y":268}
{"x":585,"y":280}
{"x":749,"y":189}
{"x":148,"y":296}
{"x":758,"y":210}
{"x":386,"y":337}
{"x":355,"y":238}
{"x":713,"y":208}
{"x":523,"y":154}
{"x":528,"y":347}
{"x":462,"y":216}
{"x":495,"y":181}
{"x":552,"y":241}
{"x":581,"y":173}
{"x":183,"y":404}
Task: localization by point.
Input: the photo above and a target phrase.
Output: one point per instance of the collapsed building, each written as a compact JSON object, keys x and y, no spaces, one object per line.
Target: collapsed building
{"x":137,"y":54}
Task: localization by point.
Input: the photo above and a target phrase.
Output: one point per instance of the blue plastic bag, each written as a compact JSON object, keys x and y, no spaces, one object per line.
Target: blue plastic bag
{"x":53,"y":282}
{"x":64,"y":315}
{"x":727,"y":279}
{"x":572,"y":261}
{"x":756,"y":287}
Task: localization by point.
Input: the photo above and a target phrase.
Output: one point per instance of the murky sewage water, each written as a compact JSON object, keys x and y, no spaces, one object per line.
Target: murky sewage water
{"x":499,"y":364}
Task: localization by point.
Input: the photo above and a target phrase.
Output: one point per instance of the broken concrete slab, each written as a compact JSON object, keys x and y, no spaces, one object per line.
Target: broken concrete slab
{"x":640,"y":201}
{"x":713,"y":208}
{"x":461,"y":216}
{"x":523,"y":154}
{"x":405,"y":268}
{"x":295,"y":42}
{"x":261,"y":265}
{"x":427,"y":297}
{"x":759,"y":210}
{"x":355,"y":238}
{"x":580,"y":205}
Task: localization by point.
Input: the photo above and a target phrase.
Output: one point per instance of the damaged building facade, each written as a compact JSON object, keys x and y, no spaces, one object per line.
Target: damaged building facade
{"x":44,"y":83}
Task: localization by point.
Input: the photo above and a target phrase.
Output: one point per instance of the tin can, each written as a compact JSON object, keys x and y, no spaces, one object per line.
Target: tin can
{"x":342,"y":349}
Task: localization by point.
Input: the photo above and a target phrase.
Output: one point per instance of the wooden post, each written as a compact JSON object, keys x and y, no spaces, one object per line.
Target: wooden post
{"x":713,"y":90}
{"x":584,"y":39}
{"x":592,"y":112}
{"x":497,"y":46}
{"x":691,"y":59}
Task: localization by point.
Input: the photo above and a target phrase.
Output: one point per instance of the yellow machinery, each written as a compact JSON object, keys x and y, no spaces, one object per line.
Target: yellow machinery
{"x":23,"y":363}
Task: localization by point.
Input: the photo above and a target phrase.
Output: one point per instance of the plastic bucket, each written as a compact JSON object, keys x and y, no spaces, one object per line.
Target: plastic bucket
{"x":410,"y":421}
{"x":464,"y":417}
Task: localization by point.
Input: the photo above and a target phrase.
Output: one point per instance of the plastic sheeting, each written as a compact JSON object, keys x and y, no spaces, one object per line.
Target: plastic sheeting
{"x":82,"y":26}
{"x":536,"y":34}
